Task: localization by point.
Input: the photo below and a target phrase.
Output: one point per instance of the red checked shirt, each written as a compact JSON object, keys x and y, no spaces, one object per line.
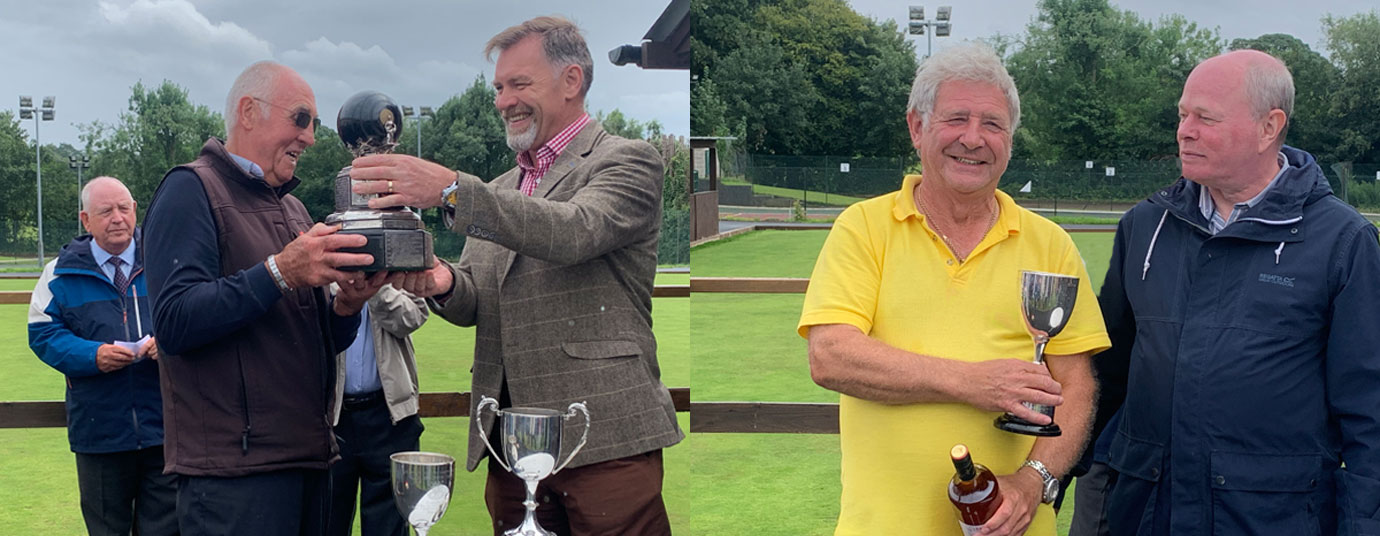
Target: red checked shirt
{"x":532,"y":172}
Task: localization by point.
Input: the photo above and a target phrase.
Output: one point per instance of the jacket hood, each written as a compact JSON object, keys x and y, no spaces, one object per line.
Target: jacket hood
{"x":1302,"y":183}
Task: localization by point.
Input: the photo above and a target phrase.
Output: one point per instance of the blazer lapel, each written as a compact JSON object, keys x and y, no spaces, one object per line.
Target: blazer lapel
{"x":580,"y":146}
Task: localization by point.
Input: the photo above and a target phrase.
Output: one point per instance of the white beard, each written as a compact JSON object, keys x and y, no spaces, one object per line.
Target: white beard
{"x":523,"y":141}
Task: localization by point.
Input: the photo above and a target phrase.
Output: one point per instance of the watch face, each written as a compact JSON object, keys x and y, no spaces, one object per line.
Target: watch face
{"x":1051,"y":490}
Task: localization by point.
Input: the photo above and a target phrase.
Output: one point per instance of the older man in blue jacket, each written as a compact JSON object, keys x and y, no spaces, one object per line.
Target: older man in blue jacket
{"x":89,"y":298}
{"x":1245,"y":298}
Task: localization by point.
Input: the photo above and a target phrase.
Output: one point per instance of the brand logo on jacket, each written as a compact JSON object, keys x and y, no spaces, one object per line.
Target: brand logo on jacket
{"x":1277,"y":280}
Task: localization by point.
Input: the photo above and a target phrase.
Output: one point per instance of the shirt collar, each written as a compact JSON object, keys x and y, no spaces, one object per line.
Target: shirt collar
{"x":101,"y":255}
{"x":247,"y":165}
{"x":1209,"y":207}
{"x":554,"y":146}
{"x":904,"y":206}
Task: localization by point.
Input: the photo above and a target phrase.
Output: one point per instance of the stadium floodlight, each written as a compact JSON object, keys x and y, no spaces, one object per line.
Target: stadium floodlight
{"x":939,"y":27}
{"x":420,"y":112}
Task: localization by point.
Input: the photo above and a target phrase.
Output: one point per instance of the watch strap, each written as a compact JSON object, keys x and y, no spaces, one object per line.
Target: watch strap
{"x":1046,"y":478}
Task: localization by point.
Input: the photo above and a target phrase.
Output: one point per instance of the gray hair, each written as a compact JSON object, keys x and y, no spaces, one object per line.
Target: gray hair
{"x":1269,"y":86}
{"x":971,"y":61}
{"x":561,"y":42}
{"x":86,"y":190}
{"x":256,"y":81}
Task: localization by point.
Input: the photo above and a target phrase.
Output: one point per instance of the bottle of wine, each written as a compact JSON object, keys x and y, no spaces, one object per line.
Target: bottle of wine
{"x":973,"y":490}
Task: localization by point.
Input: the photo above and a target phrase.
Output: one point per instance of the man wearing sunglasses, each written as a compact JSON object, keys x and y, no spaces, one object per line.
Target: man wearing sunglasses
{"x":236,"y":272}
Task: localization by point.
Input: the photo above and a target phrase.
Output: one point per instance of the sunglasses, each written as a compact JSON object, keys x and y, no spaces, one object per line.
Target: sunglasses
{"x":300,"y":118}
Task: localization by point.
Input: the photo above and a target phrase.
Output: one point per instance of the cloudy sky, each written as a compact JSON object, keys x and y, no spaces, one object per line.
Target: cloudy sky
{"x":88,"y":53}
{"x":1233,"y":18}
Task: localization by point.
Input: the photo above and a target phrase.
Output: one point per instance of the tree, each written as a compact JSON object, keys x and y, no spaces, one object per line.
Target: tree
{"x":1355,"y":46}
{"x":800,"y":77}
{"x":160,"y":129}
{"x":1310,"y":126}
{"x":620,"y":125}
{"x":469,"y":134}
{"x":317,"y":169}
{"x":1099,"y":83}
{"x":17,"y":198}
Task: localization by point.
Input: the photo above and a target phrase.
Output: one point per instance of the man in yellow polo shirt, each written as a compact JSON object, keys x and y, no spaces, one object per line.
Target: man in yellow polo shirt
{"x":913,"y":315}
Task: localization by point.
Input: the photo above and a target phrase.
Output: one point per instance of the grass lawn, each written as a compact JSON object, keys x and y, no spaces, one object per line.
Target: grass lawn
{"x":38,"y":482}
{"x":773,"y":483}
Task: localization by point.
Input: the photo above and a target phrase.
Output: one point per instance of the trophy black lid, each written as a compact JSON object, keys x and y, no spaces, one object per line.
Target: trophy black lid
{"x":363,"y":119}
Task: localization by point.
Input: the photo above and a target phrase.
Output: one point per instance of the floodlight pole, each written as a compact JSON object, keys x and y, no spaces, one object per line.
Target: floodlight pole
{"x":40,"y":114}
{"x":79,"y":163}
{"x":421,"y":112}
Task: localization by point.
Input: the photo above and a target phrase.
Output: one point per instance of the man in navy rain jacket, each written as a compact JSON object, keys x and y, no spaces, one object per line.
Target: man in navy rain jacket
{"x":89,"y":297}
{"x":1245,"y":298}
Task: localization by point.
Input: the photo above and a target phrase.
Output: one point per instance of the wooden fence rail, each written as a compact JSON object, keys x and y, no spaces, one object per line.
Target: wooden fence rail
{"x":51,"y":414}
{"x":705,"y":417}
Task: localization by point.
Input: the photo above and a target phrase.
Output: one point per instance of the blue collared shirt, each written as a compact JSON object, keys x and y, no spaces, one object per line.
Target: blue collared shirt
{"x":1209,"y":207}
{"x":247,"y":165}
{"x":102,"y":256}
{"x":361,"y":366}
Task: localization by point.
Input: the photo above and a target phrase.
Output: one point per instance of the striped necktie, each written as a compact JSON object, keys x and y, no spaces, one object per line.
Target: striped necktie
{"x":120,"y":280}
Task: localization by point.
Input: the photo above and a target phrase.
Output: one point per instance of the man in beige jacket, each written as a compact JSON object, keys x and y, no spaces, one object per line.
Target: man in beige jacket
{"x":375,"y":413}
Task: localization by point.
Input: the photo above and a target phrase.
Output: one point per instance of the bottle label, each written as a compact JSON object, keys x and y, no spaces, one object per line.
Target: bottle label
{"x":969,"y":530}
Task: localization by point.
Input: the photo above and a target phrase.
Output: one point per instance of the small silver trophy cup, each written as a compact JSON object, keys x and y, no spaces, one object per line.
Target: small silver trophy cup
{"x":531,"y":443}
{"x":421,"y":487}
{"x":1046,"y":303}
{"x":370,"y":123}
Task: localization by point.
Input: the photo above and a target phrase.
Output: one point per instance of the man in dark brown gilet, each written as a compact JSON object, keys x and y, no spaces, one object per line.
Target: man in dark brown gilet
{"x":237,"y":275}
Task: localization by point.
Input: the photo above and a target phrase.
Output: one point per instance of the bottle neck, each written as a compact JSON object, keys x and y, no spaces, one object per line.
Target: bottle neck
{"x":964,"y":465}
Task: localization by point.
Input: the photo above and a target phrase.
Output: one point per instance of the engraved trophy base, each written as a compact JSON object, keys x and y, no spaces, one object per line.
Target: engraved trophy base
{"x":1014,"y":424}
{"x":396,"y":239}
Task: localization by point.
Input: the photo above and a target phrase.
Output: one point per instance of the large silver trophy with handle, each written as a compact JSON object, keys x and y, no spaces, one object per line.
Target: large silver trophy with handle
{"x":531,"y":443}
{"x":421,"y":487}
{"x":1046,"y":303}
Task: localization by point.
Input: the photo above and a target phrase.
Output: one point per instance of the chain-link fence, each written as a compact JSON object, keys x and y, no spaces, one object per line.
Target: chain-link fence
{"x":772,"y":185}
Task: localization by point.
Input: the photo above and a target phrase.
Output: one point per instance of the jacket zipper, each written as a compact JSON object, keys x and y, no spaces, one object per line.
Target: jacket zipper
{"x":124,"y":314}
{"x":244,"y":400}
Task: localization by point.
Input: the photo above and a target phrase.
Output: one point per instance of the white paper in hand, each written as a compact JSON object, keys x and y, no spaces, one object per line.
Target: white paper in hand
{"x":134,"y":347}
{"x":430,"y":507}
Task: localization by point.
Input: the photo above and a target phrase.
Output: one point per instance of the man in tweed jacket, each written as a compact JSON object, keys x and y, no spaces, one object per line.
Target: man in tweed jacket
{"x":557,"y":276}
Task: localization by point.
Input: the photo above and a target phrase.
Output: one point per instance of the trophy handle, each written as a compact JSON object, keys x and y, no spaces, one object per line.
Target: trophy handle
{"x":484,"y":402}
{"x":574,"y":407}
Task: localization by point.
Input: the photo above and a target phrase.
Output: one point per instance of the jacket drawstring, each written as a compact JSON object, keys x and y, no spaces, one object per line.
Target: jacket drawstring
{"x":1279,"y":250}
{"x":1146,"y":268}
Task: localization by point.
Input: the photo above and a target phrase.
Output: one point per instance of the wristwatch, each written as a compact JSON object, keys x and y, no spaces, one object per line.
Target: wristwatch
{"x":1050,"y":490}
{"x":449,"y":198}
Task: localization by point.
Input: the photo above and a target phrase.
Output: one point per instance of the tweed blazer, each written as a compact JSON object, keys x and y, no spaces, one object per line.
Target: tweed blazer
{"x":559,"y":286}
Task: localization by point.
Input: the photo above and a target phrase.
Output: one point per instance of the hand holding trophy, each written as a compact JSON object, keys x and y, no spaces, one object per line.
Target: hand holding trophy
{"x":1046,"y":304}
{"x":370,"y":123}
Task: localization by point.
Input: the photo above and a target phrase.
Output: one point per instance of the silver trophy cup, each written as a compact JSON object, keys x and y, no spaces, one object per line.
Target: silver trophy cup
{"x":1046,"y":303}
{"x":421,"y":486}
{"x":531,"y":443}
